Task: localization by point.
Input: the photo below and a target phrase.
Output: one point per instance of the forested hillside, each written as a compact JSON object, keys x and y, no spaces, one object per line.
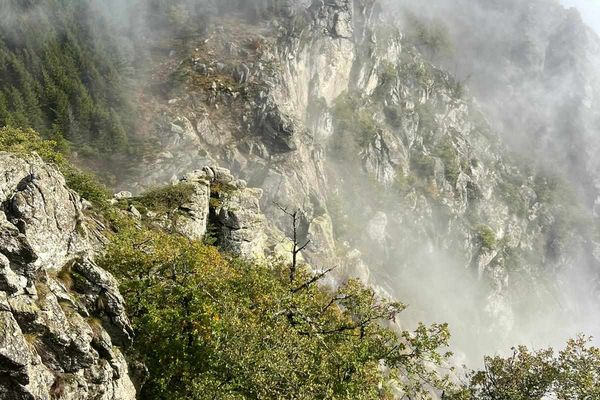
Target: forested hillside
{"x":70,"y":70}
{"x":73,"y":70}
{"x":286,"y":170}
{"x":63,"y":73}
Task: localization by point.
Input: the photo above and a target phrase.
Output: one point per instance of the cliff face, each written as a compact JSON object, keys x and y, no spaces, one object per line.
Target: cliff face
{"x":62,"y":318}
{"x":403,"y":179}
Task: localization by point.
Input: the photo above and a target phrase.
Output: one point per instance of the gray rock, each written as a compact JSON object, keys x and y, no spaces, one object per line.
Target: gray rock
{"x":46,"y":340}
{"x":123,"y":195}
{"x":192,"y":219}
{"x":14,"y":352}
{"x":10,"y":282}
{"x":135,"y":212}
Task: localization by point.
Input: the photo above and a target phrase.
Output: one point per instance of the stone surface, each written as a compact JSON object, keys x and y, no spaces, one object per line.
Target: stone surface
{"x":411,"y":181}
{"x":50,"y":344}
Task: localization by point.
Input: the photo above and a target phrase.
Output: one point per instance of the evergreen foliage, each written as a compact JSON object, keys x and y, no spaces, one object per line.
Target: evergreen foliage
{"x":63,"y":74}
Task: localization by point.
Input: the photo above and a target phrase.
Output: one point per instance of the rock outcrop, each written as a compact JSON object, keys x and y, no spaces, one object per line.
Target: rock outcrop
{"x":63,"y":325}
{"x":219,"y":209}
{"x":230,"y":210}
{"x":399,"y":172}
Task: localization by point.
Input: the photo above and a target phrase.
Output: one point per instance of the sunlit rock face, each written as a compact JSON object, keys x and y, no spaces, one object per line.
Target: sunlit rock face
{"x":533,"y":66}
{"x":331,"y":107}
{"x":63,"y":322}
{"x":62,"y":318}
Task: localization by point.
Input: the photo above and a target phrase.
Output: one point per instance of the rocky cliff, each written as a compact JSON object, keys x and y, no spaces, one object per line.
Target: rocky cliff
{"x":402,"y":177}
{"x":62,"y":319}
{"x":64,"y":329}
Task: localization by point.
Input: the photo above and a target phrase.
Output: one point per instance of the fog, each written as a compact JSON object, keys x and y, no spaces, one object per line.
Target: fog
{"x":589,"y":10}
{"x":532,"y":67}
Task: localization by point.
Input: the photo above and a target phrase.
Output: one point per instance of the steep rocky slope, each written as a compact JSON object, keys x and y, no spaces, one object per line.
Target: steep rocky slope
{"x":403,"y":179}
{"x":533,"y":66}
{"x":62,"y":319}
{"x":329,"y":108}
{"x":63,"y":324}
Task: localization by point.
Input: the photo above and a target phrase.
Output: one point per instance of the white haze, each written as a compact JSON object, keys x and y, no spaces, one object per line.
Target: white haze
{"x":533,"y":67}
{"x":589,"y":10}
{"x":437,"y":286}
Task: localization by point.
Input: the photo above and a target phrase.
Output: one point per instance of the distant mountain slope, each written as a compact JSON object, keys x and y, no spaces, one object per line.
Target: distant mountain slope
{"x":534,"y":68}
{"x":63,"y":73}
{"x":448,"y":157}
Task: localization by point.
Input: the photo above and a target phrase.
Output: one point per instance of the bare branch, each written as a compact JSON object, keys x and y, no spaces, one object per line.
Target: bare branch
{"x":303,"y":247}
{"x":314,"y":279}
{"x":283,"y":209}
{"x":296,"y":249}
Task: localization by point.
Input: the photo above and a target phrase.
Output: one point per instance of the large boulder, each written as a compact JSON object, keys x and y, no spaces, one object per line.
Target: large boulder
{"x":61,"y":316}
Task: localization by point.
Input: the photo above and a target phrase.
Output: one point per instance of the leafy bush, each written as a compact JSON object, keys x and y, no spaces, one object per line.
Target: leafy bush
{"x":86,"y":185}
{"x":353,"y":120}
{"x":166,"y":199}
{"x":209,"y":327}
{"x":486,"y":237}
{"x":573,"y":373}
{"x":27,"y":141}
{"x":446,"y":152}
{"x":219,"y":192}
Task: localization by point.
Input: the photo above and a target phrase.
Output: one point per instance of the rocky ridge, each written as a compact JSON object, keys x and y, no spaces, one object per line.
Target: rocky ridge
{"x":62,"y":318}
{"x":64,"y":329}
{"x":337,"y":113}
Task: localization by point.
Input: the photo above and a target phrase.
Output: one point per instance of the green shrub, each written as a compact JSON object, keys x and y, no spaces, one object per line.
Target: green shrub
{"x":27,"y":141}
{"x":486,"y":237}
{"x":210,"y":327}
{"x":166,"y":199}
{"x":87,"y":186}
{"x":219,"y":192}
{"x":356,"y":121}
{"x":446,"y":152}
{"x":572,"y":373}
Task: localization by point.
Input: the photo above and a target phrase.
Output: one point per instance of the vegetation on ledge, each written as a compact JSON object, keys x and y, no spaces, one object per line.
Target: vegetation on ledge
{"x":26,"y":141}
{"x":212,"y":327}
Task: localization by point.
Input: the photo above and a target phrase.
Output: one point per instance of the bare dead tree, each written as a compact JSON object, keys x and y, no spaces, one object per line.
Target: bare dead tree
{"x":296,"y":247}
